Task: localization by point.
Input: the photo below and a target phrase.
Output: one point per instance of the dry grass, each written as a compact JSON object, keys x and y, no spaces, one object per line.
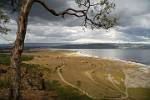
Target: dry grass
{"x":74,"y":68}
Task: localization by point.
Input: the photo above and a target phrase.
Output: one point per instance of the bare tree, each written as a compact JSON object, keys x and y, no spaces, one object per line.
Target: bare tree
{"x":95,"y":14}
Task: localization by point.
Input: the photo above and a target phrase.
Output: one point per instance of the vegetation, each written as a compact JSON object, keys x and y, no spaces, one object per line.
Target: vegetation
{"x":65,"y":93}
{"x":35,"y":74}
{"x":4,"y":84}
{"x":79,"y":72}
{"x":33,"y":71}
{"x":139,"y":93}
{"x":94,"y":14}
{"x":5,"y":58}
{"x":4,"y":19}
{"x":78,"y":83}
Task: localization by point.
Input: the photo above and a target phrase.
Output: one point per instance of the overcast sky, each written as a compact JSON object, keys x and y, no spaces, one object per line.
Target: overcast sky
{"x":134,"y":25}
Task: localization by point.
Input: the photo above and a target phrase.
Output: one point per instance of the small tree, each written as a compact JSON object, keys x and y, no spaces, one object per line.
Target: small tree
{"x":78,"y":83}
{"x":96,"y":14}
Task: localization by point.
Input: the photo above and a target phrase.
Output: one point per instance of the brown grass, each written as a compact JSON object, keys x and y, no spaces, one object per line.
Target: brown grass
{"x":75,"y":66}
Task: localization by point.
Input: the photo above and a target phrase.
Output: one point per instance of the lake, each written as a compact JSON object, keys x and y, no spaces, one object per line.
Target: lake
{"x":135,"y":55}
{"x":139,"y":53}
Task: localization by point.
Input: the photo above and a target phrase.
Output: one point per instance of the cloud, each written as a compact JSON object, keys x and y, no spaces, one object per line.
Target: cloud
{"x":128,"y":10}
{"x":134,"y":24}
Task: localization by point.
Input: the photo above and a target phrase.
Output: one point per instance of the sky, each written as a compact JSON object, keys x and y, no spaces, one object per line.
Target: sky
{"x":133,"y":25}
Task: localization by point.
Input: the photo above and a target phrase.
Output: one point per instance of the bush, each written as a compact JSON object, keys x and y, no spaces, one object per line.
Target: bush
{"x":68,"y":93}
{"x":65,"y":93}
{"x":4,"y":83}
{"x":5,"y":58}
{"x":53,"y":85}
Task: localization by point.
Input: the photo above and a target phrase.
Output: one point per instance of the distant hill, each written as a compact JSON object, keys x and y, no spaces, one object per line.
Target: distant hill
{"x":79,"y":46}
{"x":89,"y":46}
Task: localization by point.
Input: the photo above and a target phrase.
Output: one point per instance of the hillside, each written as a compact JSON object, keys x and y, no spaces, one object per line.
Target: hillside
{"x":69,"y":76}
{"x":79,"y":46}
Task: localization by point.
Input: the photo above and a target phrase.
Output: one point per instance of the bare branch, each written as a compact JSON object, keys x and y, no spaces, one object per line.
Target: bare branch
{"x":69,"y":11}
{"x":98,"y":13}
{"x":100,"y":10}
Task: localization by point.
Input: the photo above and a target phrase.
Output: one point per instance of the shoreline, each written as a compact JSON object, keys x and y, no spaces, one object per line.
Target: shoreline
{"x":144,"y":66}
{"x":74,"y":67}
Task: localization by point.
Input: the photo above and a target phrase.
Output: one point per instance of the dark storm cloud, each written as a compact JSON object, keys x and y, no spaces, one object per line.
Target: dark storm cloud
{"x":38,"y":13}
{"x":137,"y":31}
{"x":135,"y":34}
{"x":134,"y":24}
{"x":41,"y":13}
{"x":128,"y":10}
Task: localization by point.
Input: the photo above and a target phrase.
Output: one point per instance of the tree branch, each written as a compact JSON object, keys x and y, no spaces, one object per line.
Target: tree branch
{"x":69,"y":11}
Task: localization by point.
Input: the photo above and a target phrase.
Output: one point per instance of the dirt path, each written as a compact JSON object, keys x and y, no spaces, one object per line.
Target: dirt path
{"x":124,"y":92}
{"x":88,"y":74}
{"x":62,"y":78}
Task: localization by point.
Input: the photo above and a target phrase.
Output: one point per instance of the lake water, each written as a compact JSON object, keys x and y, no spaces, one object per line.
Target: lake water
{"x":135,"y":55}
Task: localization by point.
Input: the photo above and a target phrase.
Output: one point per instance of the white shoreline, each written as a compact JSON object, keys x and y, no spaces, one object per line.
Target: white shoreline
{"x":142,"y":66}
{"x":115,"y":59}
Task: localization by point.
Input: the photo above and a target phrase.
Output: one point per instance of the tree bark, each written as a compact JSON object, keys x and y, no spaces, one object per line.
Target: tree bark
{"x":18,"y":47}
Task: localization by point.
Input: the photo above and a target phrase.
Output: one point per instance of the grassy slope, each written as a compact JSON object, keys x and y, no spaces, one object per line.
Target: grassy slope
{"x":75,"y":68}
{"x":5,"y":58}
{"x":139,"y":93}
{"x":41,"y":64}
{"x":63,"y":92}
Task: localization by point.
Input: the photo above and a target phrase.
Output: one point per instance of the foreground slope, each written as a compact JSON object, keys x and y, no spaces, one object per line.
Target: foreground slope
{"x":92,"y":78}
{"x":95,"y":77}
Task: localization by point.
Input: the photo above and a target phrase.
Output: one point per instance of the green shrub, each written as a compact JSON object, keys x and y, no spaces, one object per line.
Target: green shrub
{"x":65,"y":93}
{"x":68,"y":93}
{"x":53,"y":85}
{"x":30,"y":66}
{"x":4,"y":83}
{"x":5,"y":58}
{"x":26,"y":58}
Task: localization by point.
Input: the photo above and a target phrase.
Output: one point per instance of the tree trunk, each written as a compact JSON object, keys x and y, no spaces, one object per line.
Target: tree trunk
{"x":18,"y":47}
